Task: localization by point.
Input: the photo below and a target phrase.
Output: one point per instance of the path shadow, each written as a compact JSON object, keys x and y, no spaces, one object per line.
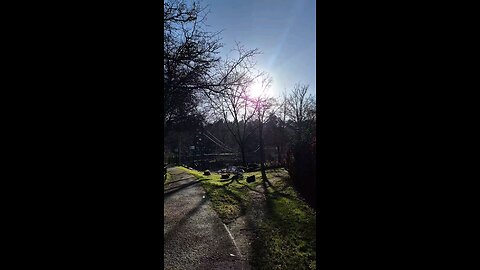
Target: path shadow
{"x":178,"y":188}
{"x":178,"y":226}
{"x":183,"y":179}
{"x":259,"y":184}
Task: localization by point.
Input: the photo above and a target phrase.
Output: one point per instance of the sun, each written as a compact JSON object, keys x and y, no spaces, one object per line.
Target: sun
{"x":257,"y":90}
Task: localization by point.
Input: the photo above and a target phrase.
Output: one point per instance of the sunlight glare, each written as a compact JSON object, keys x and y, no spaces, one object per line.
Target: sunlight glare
{"x":256,"y":90}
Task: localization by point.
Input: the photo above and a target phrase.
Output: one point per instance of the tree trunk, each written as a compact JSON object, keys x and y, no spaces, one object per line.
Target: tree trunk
{"x":278,"y":155}
{"x":242,"y":151}
{"x":179,"y":149}
{"x":262,"y":159}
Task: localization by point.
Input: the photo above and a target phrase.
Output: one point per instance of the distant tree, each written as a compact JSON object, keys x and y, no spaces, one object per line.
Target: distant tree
{"x":301,"y":110}
{"x":276,"y":135}
{"x":218,"y":137}
{"x":279,"y":129}
{"x":265,"y":108}
{"x":237,"y":110}
{"x":181,"y":136}
{"x":231,"y":99}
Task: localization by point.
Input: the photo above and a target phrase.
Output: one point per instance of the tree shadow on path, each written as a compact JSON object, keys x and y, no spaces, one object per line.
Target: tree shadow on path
{"x":182,"y":179}
{"x":183,"y":220}
{"x":173,"y":190}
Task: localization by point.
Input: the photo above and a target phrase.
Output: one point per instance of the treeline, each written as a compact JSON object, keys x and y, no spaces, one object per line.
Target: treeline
{"x":214,"y":104}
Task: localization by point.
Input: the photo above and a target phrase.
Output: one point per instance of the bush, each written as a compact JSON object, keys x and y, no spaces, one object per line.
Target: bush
{"x":301,"y":165}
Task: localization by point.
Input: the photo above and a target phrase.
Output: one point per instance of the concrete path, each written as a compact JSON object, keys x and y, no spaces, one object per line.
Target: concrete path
{"x":194,"y":236}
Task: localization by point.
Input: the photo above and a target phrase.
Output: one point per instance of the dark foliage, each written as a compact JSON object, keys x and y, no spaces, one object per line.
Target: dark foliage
{"x":301,"y":164}
{"x":301,"y":159}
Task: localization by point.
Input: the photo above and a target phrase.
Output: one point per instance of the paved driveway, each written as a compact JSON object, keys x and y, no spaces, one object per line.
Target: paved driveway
{"x":195,"y":237}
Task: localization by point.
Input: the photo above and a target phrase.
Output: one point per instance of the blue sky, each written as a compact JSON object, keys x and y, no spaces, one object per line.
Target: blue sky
{"x":283,"y":30}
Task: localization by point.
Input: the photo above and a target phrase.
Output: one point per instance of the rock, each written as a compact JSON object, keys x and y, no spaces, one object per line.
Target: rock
{"x":206,"y":172}
{"x":251,"y":179}
{"x":225,"y":176}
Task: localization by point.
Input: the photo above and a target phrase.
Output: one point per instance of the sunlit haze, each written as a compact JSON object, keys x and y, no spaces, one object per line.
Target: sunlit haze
{"x":283,"y":30}
{"x":256,"y":90}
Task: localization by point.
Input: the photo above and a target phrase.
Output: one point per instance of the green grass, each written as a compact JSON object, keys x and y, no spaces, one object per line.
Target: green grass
{"x":229,"y":199}
{"x":168,"y":178}
{"x":197,"y":174}
{"x":286,"y":238}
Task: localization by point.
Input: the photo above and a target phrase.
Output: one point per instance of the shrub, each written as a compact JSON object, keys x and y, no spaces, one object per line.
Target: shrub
{"x":301,"y":165}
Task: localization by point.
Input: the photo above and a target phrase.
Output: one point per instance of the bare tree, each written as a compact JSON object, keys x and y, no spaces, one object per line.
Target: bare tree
{"x":189,"y":53}
{"x":301,"y":158}
{"x":229,"y":94}
{"x":301,"y":110}
{"x":192,"y":68}
{"x":265,"y":108}
{"x":235,"y":107}
{"x":277,"y":132}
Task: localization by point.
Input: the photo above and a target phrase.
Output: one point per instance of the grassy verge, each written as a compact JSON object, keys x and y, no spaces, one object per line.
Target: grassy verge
{"x":229,"y":198}
{"x":167,"y":178}
{"x":286,"y":238}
